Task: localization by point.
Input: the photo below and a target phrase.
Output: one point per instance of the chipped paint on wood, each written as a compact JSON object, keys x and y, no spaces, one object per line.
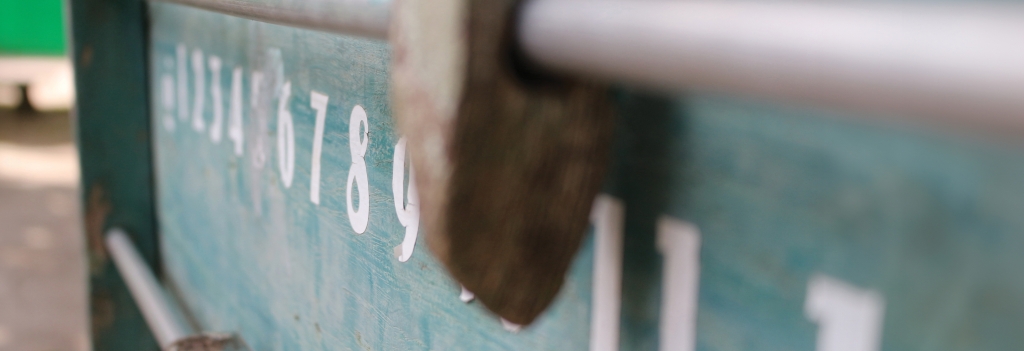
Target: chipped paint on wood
{"x":113,"y":141}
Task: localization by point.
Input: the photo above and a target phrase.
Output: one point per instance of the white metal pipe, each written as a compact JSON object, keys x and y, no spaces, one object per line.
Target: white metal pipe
{"x":161,"y":314}
{"x":935,"y":60}
{"x":959,"y":63}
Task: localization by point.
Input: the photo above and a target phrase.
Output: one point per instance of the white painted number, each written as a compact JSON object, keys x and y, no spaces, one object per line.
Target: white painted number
{"x":607,"y":217}
{"x":259,"y":156}
{"x":406,"y":207}
{"x":511,"y":327}
{"x":167,"y":101}
{"x":849,"y":318}
{"x":466,"y":295}
{"x":318,"y":102}
{"x":218,"y":99}
{"x":198,"y":68}
{"x":285,"y":137}
{"x":679,"y":242}
{"x":358,"y":142}
{"x":182,"y":73}
{"x":235,"y":132}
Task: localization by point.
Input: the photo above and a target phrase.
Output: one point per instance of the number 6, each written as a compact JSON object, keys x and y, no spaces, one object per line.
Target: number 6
{"x":285,"y":137}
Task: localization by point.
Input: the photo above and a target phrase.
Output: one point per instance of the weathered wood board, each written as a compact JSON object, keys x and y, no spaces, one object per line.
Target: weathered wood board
{"x":748,"y":226}
{"x":249,"y":253}
{"x":116,"y":154}
{"x":921,"y":225}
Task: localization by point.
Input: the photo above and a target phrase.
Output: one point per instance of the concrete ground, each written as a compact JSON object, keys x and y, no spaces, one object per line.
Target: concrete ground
{"x":42,"y":262}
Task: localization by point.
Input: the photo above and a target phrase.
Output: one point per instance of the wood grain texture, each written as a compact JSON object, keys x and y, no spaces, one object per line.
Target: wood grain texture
{"x":509,"y":166}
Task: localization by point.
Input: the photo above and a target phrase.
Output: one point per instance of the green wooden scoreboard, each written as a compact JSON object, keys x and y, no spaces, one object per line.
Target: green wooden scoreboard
{"x":783,"y":189}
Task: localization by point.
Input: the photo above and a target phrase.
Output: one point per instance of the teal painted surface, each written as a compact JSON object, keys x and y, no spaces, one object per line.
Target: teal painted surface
{"x":930,"y":221}
{"x":927,"y":221}
{"x":248,"y":254}
{"x":113,"y":135}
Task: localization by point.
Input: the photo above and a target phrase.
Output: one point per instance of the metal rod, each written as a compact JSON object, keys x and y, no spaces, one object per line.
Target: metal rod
{"x":956,"y":63}
{"x":161,"y":314}
{"x":934,"y":60}
{"x":364,"y":18}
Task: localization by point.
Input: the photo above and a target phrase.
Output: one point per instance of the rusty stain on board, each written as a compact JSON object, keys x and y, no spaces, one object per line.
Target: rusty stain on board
{"x":96,"y":211}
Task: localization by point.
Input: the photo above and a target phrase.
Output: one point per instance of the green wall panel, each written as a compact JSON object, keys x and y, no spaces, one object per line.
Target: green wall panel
{"x":32,"y":27}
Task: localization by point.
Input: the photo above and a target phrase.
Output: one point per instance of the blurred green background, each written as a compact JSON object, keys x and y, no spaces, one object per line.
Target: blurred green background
{"x":32,"y":27}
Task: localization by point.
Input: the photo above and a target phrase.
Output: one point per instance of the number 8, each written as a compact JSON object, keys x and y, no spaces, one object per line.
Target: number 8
{"x":357,"y":145}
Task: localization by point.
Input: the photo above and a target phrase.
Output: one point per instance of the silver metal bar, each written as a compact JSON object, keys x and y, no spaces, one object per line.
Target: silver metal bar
{"x":366,"y":18}
{"x":962,"y":64}
{"x":965,"y":62}
{"x":162,"y":315}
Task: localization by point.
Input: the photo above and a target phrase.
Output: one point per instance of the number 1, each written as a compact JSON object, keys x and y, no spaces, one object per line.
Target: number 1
{"x":607,"y":217}
{"x":679,"y":242}
{"x":849,"y":318}
{"x":199,"y":69}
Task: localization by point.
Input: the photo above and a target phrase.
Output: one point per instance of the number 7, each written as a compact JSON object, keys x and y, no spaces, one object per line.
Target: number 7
{"x":318,"y":102}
